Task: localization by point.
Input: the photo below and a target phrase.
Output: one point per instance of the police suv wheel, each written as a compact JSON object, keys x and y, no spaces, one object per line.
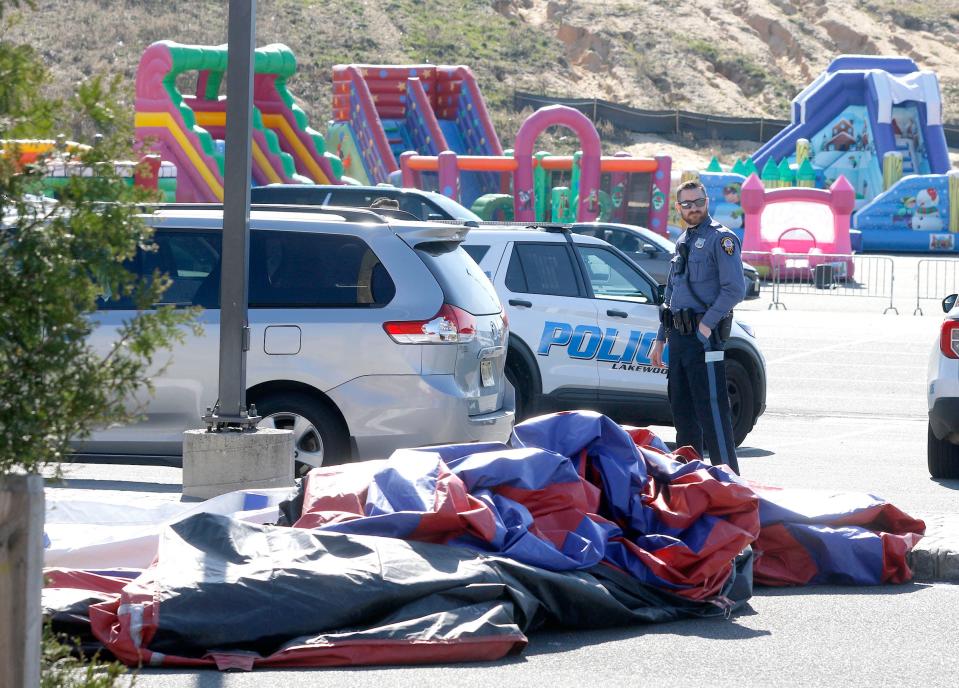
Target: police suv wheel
{"x":318,"y":436}
{"x":741,"y":399}
{"x":942,"y":457}
{"x":518,"y":376}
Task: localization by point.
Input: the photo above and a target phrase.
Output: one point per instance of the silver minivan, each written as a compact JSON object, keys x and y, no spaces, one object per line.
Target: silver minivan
{"x":368,"y":334}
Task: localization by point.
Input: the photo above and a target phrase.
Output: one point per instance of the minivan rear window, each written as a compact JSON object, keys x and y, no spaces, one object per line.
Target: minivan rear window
{"x":463,"y":282}
{"x":300,"y":270}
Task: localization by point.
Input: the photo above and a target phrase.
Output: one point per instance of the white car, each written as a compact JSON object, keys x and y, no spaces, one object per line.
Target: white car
{"x":582,"y":318}
{"x":943,"y":396}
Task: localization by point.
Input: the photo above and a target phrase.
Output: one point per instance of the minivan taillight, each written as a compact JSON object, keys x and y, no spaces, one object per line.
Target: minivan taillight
{"x":451,"y":325}
{"x":949,"y":339}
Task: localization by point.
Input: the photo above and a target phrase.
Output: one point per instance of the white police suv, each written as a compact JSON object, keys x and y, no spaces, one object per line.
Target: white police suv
{"x":582,"y":319}
{"x":942,"y":446}
{"x":368,"y":334}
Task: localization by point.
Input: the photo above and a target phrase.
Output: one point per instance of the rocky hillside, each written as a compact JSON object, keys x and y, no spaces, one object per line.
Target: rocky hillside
{"x":739,"y":57}
{"x":736,"y":56}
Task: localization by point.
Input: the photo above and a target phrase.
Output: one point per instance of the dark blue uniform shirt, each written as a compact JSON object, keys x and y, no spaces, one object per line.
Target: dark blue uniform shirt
{"x":715,"y":273}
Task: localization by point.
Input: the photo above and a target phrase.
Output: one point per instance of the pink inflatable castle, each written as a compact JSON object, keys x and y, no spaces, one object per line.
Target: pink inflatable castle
{"x":792,"y":230}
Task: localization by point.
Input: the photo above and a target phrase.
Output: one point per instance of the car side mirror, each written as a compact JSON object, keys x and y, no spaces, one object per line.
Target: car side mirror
{"x":435,"y":216}
{"x":649,"y":250}
{"x":949,"y":302}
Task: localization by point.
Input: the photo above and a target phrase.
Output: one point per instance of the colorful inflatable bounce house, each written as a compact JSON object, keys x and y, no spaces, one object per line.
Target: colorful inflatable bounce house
{"x":427,"y":126}
{"x":423,"y":126}
{"x":188,"y":129}
{"x":784,"y":222}
{"x":542,"y":187}
{"x":60,"y":160}
{"x":877,"y":122}
{"x":381,"y":111}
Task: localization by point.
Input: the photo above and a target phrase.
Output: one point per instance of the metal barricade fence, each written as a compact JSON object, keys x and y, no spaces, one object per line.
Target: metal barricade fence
{"x":935,"y":279}
{"x":825,"y":274}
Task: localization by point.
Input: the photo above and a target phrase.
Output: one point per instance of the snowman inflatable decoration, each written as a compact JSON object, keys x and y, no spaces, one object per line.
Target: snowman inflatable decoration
{"x":926,"y":216}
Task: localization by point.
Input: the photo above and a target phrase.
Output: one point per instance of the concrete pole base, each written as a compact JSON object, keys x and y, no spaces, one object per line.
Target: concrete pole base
{"x":215,"y":463}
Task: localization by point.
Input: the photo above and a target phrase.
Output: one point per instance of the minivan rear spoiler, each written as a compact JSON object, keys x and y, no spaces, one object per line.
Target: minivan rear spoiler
{"x":420,"y":232}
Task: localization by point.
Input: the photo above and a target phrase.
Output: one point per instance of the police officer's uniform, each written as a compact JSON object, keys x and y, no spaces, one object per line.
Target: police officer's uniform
{"x":706,"y":282}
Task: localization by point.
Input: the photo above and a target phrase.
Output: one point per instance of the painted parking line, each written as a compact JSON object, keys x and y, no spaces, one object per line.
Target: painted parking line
{"x":815,"y":352}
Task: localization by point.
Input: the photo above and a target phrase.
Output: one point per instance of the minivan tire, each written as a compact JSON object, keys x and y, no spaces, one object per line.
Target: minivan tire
{"x":942,"y":457}
{"x":328,"y":425}
{"x":741,"y":399}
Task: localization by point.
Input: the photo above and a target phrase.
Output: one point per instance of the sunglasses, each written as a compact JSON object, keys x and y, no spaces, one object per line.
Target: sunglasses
{"x":698,"y":202}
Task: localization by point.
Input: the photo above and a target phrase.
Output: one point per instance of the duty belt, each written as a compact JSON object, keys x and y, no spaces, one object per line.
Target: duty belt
{"x":686,"y":321}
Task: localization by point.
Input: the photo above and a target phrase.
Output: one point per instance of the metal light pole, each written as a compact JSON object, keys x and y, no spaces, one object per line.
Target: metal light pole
{"x":231,"y":409}
{"x":217,"y":460}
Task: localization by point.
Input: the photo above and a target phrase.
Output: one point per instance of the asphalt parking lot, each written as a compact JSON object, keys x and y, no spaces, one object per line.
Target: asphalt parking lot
{"x":846,"y":411}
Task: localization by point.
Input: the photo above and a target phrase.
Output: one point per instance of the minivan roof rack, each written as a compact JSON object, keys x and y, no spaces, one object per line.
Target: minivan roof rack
{"x":349,"y":214}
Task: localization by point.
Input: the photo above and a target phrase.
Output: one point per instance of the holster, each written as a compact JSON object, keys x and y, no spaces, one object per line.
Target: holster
{"x":665,"y":317}
{"x":684,"y":321}
{"x":725,"y":327}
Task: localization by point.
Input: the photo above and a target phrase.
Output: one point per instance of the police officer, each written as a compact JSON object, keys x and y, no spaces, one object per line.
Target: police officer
{"x":705,"y":282}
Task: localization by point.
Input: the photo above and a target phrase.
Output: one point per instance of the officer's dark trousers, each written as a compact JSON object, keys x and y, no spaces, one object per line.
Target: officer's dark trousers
{"x":698,"y":397}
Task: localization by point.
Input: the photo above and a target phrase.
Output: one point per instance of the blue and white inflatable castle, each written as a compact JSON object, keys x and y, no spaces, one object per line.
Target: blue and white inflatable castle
{"x":878,"y":122}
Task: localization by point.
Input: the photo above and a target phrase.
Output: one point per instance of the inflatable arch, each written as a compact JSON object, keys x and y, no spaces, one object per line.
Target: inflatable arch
{"x":525,"y":195}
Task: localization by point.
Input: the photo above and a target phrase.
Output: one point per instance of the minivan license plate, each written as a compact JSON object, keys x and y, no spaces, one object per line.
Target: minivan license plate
{"x":486,"y":372}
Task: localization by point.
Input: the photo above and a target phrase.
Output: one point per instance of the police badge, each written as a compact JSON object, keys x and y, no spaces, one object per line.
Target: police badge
{"x":700,"y":242}
{"x":729,"y":246}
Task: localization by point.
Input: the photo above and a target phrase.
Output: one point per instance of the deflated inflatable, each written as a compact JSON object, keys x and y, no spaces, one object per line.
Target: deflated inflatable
{"x":454,"y":553}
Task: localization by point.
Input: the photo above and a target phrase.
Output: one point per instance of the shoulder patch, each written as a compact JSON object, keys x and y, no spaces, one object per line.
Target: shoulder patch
{"x":729,"y":245}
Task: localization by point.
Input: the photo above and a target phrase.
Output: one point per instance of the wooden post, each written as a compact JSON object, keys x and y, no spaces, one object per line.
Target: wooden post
{"x":21,"y":578}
